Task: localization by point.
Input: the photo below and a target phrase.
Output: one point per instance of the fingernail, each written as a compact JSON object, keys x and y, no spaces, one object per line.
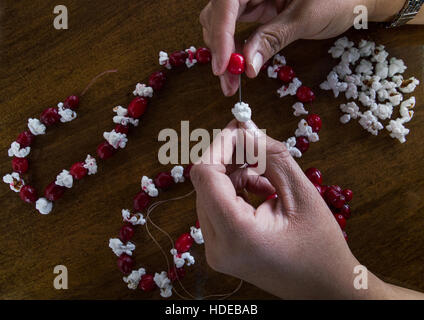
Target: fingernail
{"x":215,"y":66}
{"x":258,"y":61}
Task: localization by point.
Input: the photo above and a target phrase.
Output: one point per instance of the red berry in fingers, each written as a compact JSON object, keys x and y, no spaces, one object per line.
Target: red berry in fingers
{"x":54,"y":192}
{"x":126,"y":233}
{"x":305,"y":94}
{"x":348,"y":194}
{"x":125,"y":263}
{"x":286,"y":74}
{"x":237,"y":64}
{"x":50,"y":116}
{"x":78,"y":171}
{"x":20,"y":165}
{"x":164,"y":180}
{"x":340,"y":220}
{"x":302,"y":143}
{"x":314,"y":121}
{"x":178,"y":58}
{"x":345,"y":211}
{"x":141,"y":201}
{"x":314,"y":175}
{"x":147,"y":283}
{"x":203,"y":55}
{"x":25,"y":139}
{"x":105,"y":150}
{"x":137,"y":107}
{"x":272,"y":196}
{"x":184,"y":243}
{"x":71,"y":102}
{"x":28,"y":194}
{"x":157,"y":80}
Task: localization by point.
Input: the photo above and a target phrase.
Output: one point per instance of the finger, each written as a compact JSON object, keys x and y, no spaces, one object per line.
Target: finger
{"x":222,"y":17}
{"x":252,"y":183}
{"x":268,"y":40}
{"x":294,"y":189}
{"x":216,"y":196}
{"x":229,"y":83}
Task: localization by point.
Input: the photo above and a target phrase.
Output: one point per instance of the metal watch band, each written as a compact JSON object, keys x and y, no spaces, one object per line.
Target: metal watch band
{"x":408,"y":12}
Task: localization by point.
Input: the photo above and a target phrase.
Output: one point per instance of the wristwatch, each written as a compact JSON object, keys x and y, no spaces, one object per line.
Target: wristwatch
{"x":408,"y":12}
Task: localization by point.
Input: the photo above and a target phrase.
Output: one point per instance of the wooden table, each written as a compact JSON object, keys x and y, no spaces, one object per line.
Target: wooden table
{"x":41,"y":66}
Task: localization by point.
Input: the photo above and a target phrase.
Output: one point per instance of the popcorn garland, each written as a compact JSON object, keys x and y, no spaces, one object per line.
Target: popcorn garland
{"x":124,"y":248}
{"x":377,"y":84}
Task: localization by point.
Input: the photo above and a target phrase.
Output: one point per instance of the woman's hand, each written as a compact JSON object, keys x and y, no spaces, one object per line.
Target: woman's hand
{"x":283,"y":21}
{"x":290,"y":246}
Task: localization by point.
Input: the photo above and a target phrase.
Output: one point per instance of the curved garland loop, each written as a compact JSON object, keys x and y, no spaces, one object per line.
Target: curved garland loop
{"x":306,"y":132}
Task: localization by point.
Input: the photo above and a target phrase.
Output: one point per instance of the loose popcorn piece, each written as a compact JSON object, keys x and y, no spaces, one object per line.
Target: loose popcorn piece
{"x":351,"y":56}
{"x":342,"y":69}
{"x":135,"y":219}
{"x":177,"y":173}
{"x":134,"y":278}
{"x":396,"y":66}
{"x":406,"y":111}
{"x":36,"y":127}
{"x":382,"y":70}
{"x":333,"y":83}
{"x":366,"y":48}
{"x":345,"y":118}
{"x":149,"y":187}
{"x":143,"y":91}
{"x":15,"y":150}
{"x":397,"y":130}
{"x":43,"y":206}
{"x":119,"y":248}
{"x":380,"y":54}
{"x":383,"y":111}
{"x":64,"y":179}
{"x":409,"y":85}
{"x":116,"y":139}
{"x":351,"y":108}
{"x":370,"y":123}
{"x":242,"y":112}
{"x":196,"y":234}
{"x":299,"y":109}
{"x":14,"y":181}
{"x":365,"y":67}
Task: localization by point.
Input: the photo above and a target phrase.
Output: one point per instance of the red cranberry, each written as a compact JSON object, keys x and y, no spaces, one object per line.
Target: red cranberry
{"x":348,"y":194}
{"x":105,"y":150}
{"x":50,"y":116}
{"x":339,"y":202}
{"x":336,"y":187}
{"x":125,"y":263}
{"x":315,"y":122}
{"x":28,"y":194}
{"x":302,"y":143}
{"x":345,"y":211}
{"x":178,"y":58}
{"x":187,"y":170}
{"x":236,"y":64}
{"x":272,"y":196}
{"x":314,"y":175}
{"x":25,"y":139}
{"x":176,"y":273}
{"x":20,"y":165}
{"x":121,"y":129}
{"x":184,"y":243}
{"x":164,"y":180}
{"x":331,"y":195}
{"x":286,"y":74}
{"x":137,"y":107}
{"x":203,"y":55}
{"x":71,"y":102}
{"x":340,"y":220}
{"x":320,"y":189}
{"x":141,"y":201}
{"x":147,"y":283}
{"x":324,"y":189}
{"x":305,"y":94}
{"x":54,"y":192}
{"x":126,"y":233}
{"x":78,"y":171}
{"x":157,"y":80}
{"x":197,"y":224}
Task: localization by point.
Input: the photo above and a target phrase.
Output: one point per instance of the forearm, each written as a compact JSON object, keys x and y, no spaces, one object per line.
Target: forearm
{"x":386,"y":10}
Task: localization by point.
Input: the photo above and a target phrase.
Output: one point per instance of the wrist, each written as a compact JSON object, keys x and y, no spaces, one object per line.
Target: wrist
{"x":383,"y":10}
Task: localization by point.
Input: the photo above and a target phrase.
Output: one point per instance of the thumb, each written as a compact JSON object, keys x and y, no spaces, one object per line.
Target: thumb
{"x":268,"y":40}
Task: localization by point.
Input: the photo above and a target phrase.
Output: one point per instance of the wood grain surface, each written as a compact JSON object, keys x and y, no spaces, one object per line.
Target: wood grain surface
{"x":41,"y":66}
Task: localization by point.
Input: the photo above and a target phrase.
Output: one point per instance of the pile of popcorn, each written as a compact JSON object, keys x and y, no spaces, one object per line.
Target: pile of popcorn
{"x":366,"y":74}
